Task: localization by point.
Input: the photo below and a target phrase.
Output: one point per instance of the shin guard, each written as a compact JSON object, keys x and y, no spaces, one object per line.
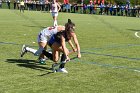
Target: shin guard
{"x":47,"y":54}
{"x":63,"y":61}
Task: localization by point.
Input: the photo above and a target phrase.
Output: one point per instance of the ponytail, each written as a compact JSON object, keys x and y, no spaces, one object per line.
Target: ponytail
{"x":69,"y":26}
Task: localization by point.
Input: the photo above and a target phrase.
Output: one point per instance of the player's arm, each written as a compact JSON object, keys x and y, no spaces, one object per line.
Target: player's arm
{"x":59,"y":7}
{"x":64,"y":47}
{"x":72,"y":46}
{"x":76,"y":44}
{"x":60,"y":28}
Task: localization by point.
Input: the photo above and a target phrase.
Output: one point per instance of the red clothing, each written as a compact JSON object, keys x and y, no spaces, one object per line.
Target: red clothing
{"x":66,"y":1}
{"x":94,"y":2}
{"x":90,"y":2}
{"x":103,"y":1}
{"x":98,"y":1}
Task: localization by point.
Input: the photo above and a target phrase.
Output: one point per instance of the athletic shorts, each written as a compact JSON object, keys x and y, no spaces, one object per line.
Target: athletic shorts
{"x":54,"y":13}
{"x":51,"y":41}
{"x":42,"y":38}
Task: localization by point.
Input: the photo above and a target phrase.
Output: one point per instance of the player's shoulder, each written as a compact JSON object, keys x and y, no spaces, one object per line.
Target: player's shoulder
{"x":61,"y":27}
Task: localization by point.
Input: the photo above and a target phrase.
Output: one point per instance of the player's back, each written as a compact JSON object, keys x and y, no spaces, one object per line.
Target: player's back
{"x":49,"y":31}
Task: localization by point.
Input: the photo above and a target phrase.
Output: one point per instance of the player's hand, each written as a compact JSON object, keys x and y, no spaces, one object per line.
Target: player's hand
{"x":79,"y":55}
{"x":67,"y":59}
{"x":74,"y":50}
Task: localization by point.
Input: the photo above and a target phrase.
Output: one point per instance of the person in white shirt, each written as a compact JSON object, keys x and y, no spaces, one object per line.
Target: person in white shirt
{"x":58,"y":45}
{"x":43,"y":38}
{"x":22,"y":6}
{"x":55,"y":8}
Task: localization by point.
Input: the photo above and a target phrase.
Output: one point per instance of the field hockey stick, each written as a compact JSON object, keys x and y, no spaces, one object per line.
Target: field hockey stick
{"x":71,"y":52}
{"x":56,"y":66}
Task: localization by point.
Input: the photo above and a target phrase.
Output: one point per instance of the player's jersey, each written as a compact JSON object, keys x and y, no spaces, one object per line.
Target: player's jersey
{"x":54,"y":8}
{"x":46,"y":33}
{"x":57,"y":38}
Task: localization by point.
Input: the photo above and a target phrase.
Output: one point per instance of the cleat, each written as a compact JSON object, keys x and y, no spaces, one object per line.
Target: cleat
{"x":42,"y":61}
{"x":63,"y":70}
{"x":54,"y":67}
{"x":23,"y":51}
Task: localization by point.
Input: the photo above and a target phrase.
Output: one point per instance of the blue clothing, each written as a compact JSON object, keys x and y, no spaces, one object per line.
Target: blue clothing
{"x":57,"y":38}
{"x":52,"y":40}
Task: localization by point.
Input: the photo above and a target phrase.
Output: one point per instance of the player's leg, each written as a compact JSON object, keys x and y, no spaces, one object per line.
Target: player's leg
{"x":55,"y":19}
{"x":26,"y":49}
{"x":23,"y":51}
{"x":42,"y":46}
{"x":57,"y":48}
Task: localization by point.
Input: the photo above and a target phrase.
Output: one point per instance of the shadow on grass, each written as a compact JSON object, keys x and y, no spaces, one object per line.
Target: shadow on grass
{"x":135,"y":30}
{"x":29,"y":64}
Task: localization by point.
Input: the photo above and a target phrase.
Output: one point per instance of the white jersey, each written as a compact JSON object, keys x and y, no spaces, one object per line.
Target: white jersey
{"x":54,"y":7}
{"x":46,"y":34}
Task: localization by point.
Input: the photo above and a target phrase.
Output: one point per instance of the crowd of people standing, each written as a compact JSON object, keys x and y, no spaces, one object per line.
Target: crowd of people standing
{"x":91,"y":8}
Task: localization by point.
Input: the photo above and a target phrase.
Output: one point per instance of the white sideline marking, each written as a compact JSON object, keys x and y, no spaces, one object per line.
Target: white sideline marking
{"x":136,"y":34}
{"x":137,"y":70}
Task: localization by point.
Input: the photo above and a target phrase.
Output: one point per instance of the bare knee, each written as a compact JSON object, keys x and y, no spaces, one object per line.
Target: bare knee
{"x":55,"y":60}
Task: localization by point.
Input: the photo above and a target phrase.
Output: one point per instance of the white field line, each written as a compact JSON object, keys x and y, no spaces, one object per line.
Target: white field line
{"x":136,"y":34}
{"x":136,"y":70}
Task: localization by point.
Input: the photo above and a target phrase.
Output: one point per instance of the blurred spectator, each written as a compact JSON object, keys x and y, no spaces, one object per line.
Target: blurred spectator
{"x":138,"y":11}
{"x":91,"y":7}
{"x":122,"y":10}
{"x":118,"y":10}
{"x":18,"y":4}
{"x":22,"y":6}
{"x":47,"y":5}
{"x":101,"y":8}
{"x":68,"y":7}
{"x":75,"y":8}
{"x":0,"y":3}
{"x":126,"y":10}
{"x":84,"y":8}
{"x":111,"y":9}
{"x":114,"y":9}
{"x":107,"y":9}
{"x":34,"y":5}
{"x":15,"y":4}
{"x":95,"y":9}
{"x":8,"y":3}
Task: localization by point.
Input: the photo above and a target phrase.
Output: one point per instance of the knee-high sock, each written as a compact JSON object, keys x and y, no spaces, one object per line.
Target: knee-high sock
{"x":31,"y":50}
{"x":63,"y":61}
{"x":47,"y":54}
{"x":34,"y":51}
{"x":55,"y":23}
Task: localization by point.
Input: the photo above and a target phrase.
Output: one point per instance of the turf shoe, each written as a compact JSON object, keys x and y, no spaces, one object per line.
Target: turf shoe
{"x":23,"y":51}
{"x":42,"y":61}
{"x":63,"y":70}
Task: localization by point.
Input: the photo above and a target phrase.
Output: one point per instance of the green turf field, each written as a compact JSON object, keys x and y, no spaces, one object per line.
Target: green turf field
{"x":110,"y":50}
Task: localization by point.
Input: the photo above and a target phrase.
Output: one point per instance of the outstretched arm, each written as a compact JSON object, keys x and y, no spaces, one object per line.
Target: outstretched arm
{"x":64,"y":47}
{"x":77,"y":45}
{"x":59,"y":7}
{"x":72,"y":46}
